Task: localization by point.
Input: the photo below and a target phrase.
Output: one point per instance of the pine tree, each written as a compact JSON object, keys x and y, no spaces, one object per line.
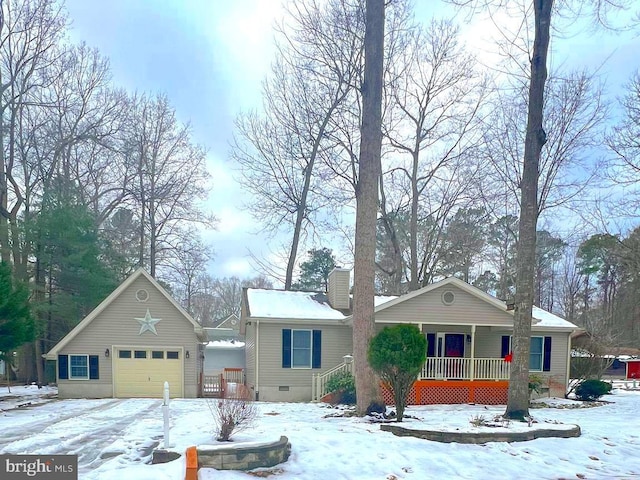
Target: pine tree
{"x":16,"y":323}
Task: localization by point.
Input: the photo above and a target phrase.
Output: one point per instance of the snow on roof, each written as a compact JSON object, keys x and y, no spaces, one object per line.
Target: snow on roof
{"x":299,"y":305}
{"x":287,"y":304}
{"x":548,"y":319}
{"x":224,"y":344}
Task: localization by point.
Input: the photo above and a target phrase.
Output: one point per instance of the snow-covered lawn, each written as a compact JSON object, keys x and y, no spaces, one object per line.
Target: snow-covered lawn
{"x":114,"y":439}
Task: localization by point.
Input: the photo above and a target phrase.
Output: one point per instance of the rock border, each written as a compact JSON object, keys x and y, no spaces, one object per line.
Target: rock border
{"x":481,"y":437}
{"x":234,"y":457}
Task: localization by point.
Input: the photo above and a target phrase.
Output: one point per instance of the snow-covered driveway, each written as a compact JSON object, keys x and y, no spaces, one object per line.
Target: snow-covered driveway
{"x":95,"y":430}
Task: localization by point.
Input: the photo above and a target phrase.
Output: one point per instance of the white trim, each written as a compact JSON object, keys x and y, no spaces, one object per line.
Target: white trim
{"x":85,"y":355}
{"x":310,"y":348}
{"x":542,"y":357}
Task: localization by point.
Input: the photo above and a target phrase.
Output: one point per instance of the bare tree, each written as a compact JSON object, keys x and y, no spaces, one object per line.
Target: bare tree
{"x":367,"y":204}
{"x":29,"y":32}
{"x":432,"y":121}
{"x":278,"y":151}
{"x":170,"y":177}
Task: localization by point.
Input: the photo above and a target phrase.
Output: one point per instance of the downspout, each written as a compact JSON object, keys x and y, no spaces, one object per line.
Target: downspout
{"x":568,"y":369}
{"x":257,"y":360}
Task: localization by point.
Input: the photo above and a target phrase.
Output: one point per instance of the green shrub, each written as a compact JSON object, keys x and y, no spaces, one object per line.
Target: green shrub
{"x":344,"y":384}
{"x":535,"y":383}
{"x":397,"y":354}
{"x":590,"y":390}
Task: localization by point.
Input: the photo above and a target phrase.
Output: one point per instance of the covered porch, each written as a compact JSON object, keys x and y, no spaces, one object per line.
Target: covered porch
{"x":465,"y":364}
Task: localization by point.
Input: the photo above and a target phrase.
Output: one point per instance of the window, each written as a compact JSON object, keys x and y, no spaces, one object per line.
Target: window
{"x":124,"y":353}
{"x":172,"y":355}
{"x":539,"y":352}
{"x":536,"y":353}
{"x":79,"y":367}
{"x":301,"y":348}
{"x":140,"y":354}
{"x":157,"y":354}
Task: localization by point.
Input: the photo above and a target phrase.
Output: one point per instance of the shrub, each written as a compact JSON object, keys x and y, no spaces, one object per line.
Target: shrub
{"x":397,"y":354}
{"x":535,"y":383}
{"x":232,"y":414}
{"x":591,"y":390}
{"x":344,"y":384}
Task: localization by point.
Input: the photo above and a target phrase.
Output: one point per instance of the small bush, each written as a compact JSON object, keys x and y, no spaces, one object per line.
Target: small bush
{"x":591,"y":390}
{"x":535,"y":383}
{"x":344,"y":384}
{"x":478,"y":421}
{"x":232,"y":414}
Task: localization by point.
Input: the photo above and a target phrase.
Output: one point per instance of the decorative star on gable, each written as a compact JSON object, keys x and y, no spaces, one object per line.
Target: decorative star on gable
{"x":147,"y":323}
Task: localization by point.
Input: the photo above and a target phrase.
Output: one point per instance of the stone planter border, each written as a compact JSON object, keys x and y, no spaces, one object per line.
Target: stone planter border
{"x":480,"y":437}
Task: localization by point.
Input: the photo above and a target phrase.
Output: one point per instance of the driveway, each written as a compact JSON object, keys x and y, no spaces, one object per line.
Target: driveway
{"x":95,"y":430}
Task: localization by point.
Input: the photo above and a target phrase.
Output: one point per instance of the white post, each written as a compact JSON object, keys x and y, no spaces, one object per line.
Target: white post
{"x":165,"y":413}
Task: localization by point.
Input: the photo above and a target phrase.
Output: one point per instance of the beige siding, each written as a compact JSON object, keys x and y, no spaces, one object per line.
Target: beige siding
{"x":429,"y":308}
{"x":116,"y":326}
{"x":338,"y":288}
{"x":336,"y":342}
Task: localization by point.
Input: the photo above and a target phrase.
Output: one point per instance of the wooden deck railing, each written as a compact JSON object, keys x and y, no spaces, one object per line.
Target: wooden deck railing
{"x":451,"y":368}
{"x":319,"y":380}
{"x":218,"y":386}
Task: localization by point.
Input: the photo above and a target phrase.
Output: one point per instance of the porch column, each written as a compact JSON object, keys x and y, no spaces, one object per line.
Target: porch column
{"x":472,"y":371}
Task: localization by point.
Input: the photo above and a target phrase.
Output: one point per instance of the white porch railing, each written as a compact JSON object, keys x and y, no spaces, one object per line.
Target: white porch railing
{"x":451,"y":368}
{"x":319,"y":380}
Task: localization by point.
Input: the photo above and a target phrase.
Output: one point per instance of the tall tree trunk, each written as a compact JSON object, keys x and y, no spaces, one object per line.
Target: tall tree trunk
{"x":518,"y":399}
{"x":367,"y":204}
{"x":413,"y":228}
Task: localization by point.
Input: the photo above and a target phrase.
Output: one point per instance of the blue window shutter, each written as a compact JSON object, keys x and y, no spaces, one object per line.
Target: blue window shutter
{"x":431,"y":344}
{"x":286,"y":348}
{"x":316,"y":361}
{"x":505,"y":346}
{"x":63,"y":367}
{"x":546,"y":359}
{"x":93,"y":367}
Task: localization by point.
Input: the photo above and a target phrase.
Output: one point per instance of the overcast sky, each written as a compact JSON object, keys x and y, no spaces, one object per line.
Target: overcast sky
{"x":210,"y":56}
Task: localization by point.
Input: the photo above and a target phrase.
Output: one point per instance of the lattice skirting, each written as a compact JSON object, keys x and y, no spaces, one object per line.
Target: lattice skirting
{"x":426,"y":392}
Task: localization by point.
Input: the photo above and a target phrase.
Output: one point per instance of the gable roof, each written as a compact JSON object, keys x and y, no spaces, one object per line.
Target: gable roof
{"x":540,"y":318}
{"x":197,"y":328}
{"x":229,"y":321}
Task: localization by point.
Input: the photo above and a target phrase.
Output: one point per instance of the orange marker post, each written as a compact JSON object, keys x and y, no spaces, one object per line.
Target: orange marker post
{"x":192,"y":464}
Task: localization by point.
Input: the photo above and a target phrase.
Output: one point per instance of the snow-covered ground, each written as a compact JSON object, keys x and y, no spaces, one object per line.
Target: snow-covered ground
{"x":114,"y":440}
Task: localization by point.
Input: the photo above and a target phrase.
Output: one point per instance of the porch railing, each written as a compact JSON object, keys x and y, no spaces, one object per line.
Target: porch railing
{"x":450,"y":368}
{"x":319,"y":380}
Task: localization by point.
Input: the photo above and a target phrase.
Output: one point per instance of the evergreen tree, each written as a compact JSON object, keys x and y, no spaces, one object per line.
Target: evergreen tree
{"x":314,"y":273}
{"x":16,"y":323}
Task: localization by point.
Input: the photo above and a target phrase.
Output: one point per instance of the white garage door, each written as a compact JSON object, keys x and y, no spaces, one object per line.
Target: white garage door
{"x":142,"y":371}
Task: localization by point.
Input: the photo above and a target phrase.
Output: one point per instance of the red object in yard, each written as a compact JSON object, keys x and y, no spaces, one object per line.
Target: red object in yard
{"x":633,"y":369}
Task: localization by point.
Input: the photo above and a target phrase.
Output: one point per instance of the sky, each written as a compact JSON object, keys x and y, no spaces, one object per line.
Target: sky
{"x":210,"y":57}
{"x":114,"y":438}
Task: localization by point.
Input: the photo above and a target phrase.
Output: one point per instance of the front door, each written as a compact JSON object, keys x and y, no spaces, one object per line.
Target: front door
{"x":450,"y":345}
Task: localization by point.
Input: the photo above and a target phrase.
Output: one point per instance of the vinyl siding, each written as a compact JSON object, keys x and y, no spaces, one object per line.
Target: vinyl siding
{"x":116,"y":326}
{"x":249,"y":349}
{"x":336,"y":342}
{"x":429,"y":308}
{"x":338,"y":288}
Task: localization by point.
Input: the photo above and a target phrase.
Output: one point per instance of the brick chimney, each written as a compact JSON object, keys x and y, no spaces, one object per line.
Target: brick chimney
{"x":338,"y":288}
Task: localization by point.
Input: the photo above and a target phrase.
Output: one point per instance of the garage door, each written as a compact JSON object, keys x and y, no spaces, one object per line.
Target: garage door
{"x":142,"y":371}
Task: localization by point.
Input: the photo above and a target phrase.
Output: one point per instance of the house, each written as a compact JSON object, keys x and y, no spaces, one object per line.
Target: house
{"x":130,"y":344}
{"x":296,"y":340}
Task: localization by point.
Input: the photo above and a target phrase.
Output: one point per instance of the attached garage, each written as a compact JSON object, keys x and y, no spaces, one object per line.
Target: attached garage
{"x":142,"y":371}
{"x":138,"y":338}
